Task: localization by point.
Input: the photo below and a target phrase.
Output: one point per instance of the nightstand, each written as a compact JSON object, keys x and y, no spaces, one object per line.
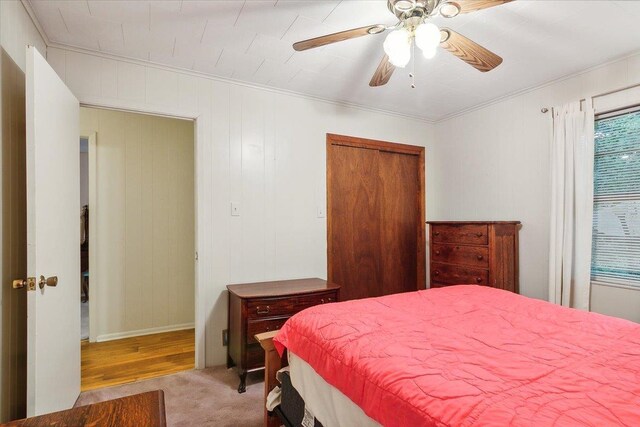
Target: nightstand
{"x":255,"y":308}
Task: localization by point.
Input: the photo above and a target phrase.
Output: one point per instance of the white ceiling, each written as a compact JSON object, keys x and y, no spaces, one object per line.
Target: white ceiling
{"x":251,"y":41}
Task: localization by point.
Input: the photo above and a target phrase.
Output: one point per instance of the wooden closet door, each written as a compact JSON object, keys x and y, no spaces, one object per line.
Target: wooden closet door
{"x":375,"y":226}
{"x":399,"y":223}
{"x":354,"y":210}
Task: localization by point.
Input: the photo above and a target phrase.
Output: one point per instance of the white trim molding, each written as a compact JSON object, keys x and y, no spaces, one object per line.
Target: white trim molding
{"x":194,"y":73}
{"x":142,"y":332}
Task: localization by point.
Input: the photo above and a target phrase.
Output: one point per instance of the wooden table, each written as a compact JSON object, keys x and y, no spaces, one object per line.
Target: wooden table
{"x":144,"y":409}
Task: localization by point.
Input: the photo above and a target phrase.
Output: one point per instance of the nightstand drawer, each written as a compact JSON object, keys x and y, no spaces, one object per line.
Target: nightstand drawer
{"x":259,"y":326}
{"x":269,"y":307}
{"x":469,"y":234}
{"x":458,"y":275}
{"x":477,"y":256}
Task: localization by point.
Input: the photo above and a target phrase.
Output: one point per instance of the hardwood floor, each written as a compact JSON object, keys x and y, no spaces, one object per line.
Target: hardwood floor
{"x":131,"y":359}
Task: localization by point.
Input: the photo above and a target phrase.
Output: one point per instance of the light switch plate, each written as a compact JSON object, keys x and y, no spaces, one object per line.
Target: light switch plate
{"x":321,"y":212}
{"x":235,"y":209}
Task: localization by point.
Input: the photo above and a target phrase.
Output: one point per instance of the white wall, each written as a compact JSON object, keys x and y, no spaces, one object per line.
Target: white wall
{"x":142,"y":277}
{"x":84,"y":179}
{"x":16,"y":31}
{"x":263,"y":149}
{"x":494,"y":164}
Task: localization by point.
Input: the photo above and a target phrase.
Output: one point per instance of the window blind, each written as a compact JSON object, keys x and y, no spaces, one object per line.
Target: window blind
{"x":616,"y":213}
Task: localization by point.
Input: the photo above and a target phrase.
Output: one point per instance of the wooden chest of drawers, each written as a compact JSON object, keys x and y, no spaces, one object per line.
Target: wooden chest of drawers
{"x":479,"y":253}
{"x":255,"y":308}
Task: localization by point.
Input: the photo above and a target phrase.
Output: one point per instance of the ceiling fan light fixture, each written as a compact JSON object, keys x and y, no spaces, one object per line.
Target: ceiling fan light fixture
{"x":397,"y":46}
{"x":427,"y":36}
{"x":450,"y":9}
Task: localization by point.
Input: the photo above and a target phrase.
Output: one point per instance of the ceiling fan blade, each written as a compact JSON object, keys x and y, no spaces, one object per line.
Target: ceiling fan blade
{"x":469,"y":51}
{"x":383,"y":73}
{"x":468,"y":6}
{"x":338,"y":37}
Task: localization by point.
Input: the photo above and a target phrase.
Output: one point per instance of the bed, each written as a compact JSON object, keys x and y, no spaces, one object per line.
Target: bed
{"x":461,"y":356}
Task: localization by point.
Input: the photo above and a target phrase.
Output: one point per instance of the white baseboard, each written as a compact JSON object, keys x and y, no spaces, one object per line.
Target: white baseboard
{"x":140,"y":332}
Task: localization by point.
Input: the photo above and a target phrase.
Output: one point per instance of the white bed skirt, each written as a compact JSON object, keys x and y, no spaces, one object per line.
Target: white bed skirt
{"x":325,"y":402}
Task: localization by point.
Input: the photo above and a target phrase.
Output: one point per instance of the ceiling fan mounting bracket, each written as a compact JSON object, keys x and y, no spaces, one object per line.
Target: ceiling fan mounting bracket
{"x":405,"y":9}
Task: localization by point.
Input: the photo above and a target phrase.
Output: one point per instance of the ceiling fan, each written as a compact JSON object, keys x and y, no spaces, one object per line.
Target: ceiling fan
{"x":414,"y":27}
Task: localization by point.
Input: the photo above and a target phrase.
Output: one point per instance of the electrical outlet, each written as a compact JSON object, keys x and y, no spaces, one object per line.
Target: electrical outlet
{"x":225,"y":337}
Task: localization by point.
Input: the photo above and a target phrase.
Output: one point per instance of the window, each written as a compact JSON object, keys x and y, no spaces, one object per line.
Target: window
{"x":616,"y":210}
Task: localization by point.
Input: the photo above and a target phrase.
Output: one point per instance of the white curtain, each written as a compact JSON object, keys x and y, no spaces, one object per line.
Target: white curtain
{"x":572,"y":151}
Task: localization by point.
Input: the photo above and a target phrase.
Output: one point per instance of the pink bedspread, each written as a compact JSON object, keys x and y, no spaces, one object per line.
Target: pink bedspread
{"x":470,"y":355}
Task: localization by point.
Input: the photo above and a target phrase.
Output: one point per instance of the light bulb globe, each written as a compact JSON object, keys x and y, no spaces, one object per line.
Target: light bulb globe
{"x":429,"y":53}
{"x":397,"y":46}
{"x":427,"y":36}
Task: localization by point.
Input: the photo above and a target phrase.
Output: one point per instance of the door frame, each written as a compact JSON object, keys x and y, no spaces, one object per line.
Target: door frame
{"x":92,"y":186}
{"x":391,"y":147}
{"x":200,"y":290}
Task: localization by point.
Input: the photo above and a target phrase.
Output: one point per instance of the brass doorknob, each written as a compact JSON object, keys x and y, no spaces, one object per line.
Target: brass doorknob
{"x":49,"y":281}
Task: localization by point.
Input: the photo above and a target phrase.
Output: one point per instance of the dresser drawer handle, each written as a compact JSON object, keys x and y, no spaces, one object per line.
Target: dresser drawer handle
{"x":436,"y":273}
{"x":437,"y":252}
{"x":480,"y":257}
{"x":479,"y":234}
{"x":268,"y":328}
{"x":260,"y":310}
{"x":329,"y":299}
{"x":436,"y":233}
{"x":479,"y":279}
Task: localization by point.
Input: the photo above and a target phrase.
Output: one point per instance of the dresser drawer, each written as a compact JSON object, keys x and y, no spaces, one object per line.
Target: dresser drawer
{"x":469,"y":234}
{"x":269,"y":307}
{"x":477,"y":256}
{"x":458,"y":275}
{"x":259,"y":326}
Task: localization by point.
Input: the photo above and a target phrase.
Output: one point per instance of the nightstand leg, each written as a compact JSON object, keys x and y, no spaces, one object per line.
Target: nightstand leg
{"x":243,"y":381}
{"x":230,"y":363}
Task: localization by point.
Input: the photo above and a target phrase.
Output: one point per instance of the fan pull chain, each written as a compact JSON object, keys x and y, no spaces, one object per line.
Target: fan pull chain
{"x":412,"y":74}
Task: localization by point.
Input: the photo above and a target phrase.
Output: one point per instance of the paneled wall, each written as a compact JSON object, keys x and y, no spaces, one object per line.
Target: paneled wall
{"x":16,"y":31}
{"x":260,"y":148}
{"x":494,"y":164}
{"x":142,"y":279}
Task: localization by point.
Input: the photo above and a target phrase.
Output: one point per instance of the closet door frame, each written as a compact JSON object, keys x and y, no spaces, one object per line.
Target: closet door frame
{"x":391,"y":147}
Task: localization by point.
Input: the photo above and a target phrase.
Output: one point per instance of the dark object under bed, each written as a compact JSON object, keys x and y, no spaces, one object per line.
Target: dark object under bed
{"x":291,"y":408}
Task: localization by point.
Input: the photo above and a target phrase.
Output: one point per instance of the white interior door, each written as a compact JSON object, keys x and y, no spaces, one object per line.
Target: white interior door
{"x":53,"y":239}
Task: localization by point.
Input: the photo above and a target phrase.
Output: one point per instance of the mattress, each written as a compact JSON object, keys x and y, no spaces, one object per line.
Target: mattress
{"x":468,"y":355}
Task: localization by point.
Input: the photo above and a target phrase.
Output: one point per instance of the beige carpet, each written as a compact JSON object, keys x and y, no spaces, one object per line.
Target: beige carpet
{"x":197,"y":398}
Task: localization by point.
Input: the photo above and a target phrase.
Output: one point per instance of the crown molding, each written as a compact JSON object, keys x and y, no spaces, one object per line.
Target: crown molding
{"x":194,"y":73}
{"x":29,"y":9}
{"x":530,"y":89}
